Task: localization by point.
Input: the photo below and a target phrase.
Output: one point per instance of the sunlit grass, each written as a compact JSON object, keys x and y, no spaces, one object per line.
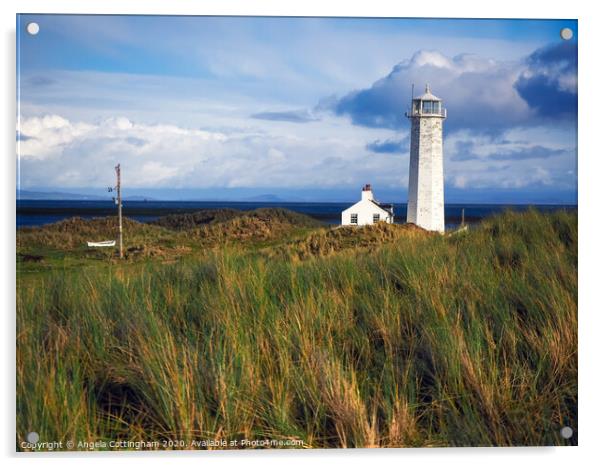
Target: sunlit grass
{"x":426,"y":340}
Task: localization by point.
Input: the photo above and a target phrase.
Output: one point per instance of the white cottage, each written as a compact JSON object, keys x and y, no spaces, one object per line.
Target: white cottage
{"x":367,"y":211}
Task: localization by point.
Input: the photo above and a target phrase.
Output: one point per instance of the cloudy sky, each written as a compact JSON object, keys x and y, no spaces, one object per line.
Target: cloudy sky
{"x":302,"y":108}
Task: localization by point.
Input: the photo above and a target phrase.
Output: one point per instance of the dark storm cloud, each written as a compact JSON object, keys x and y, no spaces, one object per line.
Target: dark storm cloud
{"x":292,"y":116}
{"x":549,"y":84}
{"x":477,"y":92}
{"x":389,"y":146}
{"x":380,"y":106}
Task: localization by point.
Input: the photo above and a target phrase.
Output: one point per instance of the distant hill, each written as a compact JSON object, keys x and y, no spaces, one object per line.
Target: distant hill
{"x":57,"y":196}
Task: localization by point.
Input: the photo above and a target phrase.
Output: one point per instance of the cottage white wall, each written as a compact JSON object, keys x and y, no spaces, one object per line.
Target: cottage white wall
{"x":425,"y":189}
{"x":364,"y":209}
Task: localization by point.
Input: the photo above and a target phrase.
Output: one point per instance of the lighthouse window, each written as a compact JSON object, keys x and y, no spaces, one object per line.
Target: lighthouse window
{"x":354,"y":219}
{"x":427,"y":106}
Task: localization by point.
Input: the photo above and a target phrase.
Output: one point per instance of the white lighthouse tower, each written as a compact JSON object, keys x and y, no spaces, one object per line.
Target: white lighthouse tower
{"x":425,"y":189}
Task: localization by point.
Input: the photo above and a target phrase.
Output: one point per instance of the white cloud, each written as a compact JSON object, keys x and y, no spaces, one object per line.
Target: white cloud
{"x":40,"y":137}
{"x":460,"y":181}
{"x":478,"y":93}
{"x":188,"y":132}
{"x":330,"y":153}
{"x":512,"y":160}
{"x":55,"y":151}
{"x":61,"y":152}
{"x":155,"y":172}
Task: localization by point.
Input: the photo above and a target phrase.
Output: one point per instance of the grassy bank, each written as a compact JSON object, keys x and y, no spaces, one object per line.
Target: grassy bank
{"x":64,"y":244}
{"x":419,"y":340}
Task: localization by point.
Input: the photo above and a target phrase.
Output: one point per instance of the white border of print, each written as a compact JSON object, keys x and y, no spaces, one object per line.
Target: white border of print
{"x":590,"y":165}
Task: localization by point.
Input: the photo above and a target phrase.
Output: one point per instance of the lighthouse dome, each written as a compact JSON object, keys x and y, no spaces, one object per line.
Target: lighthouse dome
{"x":428,"y":95}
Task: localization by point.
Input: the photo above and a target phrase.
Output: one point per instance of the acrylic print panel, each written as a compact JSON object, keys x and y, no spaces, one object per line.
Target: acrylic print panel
{"x":252,"y":232}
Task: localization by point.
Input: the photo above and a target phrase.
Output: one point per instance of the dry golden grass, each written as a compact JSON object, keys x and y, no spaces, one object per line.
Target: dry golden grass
{"x":423,"y":340}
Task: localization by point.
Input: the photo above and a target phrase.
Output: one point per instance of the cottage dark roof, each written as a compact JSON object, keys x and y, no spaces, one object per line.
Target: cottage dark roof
{"x":387,"y":207}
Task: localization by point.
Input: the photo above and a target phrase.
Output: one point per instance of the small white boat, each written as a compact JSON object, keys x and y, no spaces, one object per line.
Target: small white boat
{"x":101,"y":244}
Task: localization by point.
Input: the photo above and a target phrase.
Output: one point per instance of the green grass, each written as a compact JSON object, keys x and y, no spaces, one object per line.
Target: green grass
{"x":173,"y":237}
{"x":411,"y":340}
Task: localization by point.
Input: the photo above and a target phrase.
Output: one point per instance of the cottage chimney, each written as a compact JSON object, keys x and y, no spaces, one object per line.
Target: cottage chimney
{"x":367,"y":193}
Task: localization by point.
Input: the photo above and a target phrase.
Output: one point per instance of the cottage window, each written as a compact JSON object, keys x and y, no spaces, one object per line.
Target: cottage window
{"x":354,"y":219}
{"x":375,"y":218}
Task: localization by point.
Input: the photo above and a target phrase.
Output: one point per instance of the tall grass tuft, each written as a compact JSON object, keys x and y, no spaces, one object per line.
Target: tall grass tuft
{"x":464,"y":340}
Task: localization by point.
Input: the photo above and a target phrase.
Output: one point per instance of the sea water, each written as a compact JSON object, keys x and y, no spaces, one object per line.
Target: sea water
{"x":42,"y":212}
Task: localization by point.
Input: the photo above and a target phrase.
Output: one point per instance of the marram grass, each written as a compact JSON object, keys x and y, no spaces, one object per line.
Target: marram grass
{"x":464,"y":340}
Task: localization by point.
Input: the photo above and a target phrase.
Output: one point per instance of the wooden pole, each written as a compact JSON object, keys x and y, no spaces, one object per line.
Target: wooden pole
{"x":118,"y":171}
{"x":462,"y":217}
